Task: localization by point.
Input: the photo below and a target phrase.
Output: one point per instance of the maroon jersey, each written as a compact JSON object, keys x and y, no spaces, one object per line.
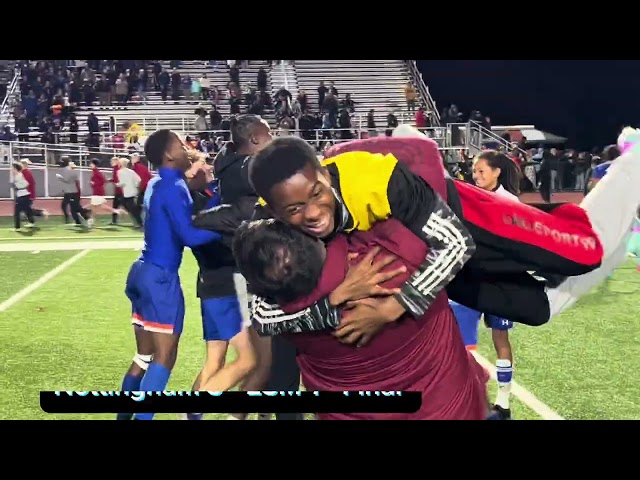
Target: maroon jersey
{"x":424,"y":354}
{"x":97,"y":183}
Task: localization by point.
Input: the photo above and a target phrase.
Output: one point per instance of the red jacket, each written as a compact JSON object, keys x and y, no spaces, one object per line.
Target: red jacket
{"x":114,"y":180}
{"x":97,"y":183}
{"x":511,"y":238}
{"x":144,"y":174}
{"x":28,"y":176}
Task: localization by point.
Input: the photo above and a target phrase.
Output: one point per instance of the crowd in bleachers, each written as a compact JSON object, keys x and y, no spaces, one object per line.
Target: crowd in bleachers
{"x":332,"y":115}
{"x":51,"y":91}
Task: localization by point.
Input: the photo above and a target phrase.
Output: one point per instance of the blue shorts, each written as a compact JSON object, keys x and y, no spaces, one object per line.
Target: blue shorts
{"x":469,"y":320}
{"x":222,"y":318}
{"x":157,"y":301}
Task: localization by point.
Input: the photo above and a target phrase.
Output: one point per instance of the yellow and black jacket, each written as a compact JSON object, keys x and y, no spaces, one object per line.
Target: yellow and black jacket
{"x":371,"y":188}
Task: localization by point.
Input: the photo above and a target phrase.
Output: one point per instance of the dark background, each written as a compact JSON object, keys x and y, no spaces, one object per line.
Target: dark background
{"x":588,"y":101}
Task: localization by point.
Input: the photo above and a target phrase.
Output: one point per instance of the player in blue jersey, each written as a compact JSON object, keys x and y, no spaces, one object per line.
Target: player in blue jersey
{"x":223,"y":302}
{"x":153,"y":284}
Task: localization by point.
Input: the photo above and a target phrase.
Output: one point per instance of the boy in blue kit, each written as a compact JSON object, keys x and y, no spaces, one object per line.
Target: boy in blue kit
{"x":468,"y":321}
{"x":153,"y":284}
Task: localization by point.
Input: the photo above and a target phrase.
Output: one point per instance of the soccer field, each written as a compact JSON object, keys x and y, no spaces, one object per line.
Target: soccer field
{"x":72,"y":332}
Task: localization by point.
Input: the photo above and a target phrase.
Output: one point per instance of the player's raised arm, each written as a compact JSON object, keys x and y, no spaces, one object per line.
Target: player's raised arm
{"x":180,"y":211}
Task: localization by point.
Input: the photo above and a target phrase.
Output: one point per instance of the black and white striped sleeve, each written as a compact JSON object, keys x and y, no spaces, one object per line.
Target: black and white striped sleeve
{"x":426,"y":214}
{"x":268,"y":318}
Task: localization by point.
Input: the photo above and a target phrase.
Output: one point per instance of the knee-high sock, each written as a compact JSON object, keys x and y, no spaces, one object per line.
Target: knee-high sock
{"x":611,"y":207}
{"x":154,"y":380}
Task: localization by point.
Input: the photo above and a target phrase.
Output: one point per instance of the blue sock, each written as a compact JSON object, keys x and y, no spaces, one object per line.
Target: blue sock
{"x":155,"y":380}
{"x":195,"y":416}
{"x":129,"y":384}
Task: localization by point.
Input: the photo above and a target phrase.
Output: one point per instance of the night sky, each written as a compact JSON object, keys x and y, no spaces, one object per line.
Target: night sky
{"x":587,"y":101}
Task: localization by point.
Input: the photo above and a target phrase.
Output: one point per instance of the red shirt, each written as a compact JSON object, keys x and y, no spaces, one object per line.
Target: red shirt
{"x":426,"y":354}
{"x":421,"y":120}
{"x":28,"y":176}
{"x":114,"y":180}
{"x":97,"y":183}
{"x":144,"y":174}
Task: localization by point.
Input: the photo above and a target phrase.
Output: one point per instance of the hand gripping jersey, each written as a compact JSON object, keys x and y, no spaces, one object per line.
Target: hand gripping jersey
{"x":374,"y":181}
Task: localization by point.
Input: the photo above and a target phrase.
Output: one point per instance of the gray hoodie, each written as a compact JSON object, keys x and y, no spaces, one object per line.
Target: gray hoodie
{"x":68,"y":178}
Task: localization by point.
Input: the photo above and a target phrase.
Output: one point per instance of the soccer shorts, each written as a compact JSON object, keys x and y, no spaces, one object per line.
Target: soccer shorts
{"x":97,"y":200}
{"x":469,"y":320}
{"x":224,"y":317}
{"x":157,"y":301}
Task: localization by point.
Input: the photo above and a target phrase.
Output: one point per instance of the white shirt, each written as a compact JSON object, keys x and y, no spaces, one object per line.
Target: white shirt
{"x":503,"y":193}
{"x":21,"y":185}
{"x":128,"y":180}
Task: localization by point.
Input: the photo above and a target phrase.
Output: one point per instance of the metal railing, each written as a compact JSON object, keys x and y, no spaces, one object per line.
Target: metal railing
{"x":471,"y":136}
{"x":423,"y":89}
{"x":11,"y":88}
{"x":478,"y":136}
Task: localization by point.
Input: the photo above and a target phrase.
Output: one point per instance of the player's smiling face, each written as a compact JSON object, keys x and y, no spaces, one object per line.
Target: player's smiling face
{"x":306,"y":201}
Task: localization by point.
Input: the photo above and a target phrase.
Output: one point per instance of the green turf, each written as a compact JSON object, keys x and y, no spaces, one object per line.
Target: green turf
{"x":21,"y":269}
{"x":55,"y":228}
{"x":585,"y":363}
{"x":73,"y":334}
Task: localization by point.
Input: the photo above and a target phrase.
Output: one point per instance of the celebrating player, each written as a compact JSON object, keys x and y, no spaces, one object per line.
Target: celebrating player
{"x":153,"y":284}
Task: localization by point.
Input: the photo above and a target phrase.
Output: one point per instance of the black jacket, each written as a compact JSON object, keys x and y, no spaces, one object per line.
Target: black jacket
{"x":237,"y":200}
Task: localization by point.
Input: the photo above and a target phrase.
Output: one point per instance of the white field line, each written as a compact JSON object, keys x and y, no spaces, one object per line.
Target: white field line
{"x":75,"y":237}
{"x":84,"y":247}
{"x":41,"y":281}
{"x":521,"y":393}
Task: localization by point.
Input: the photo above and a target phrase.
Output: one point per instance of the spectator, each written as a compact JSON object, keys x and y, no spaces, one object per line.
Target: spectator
{"x":122,"y":89}
{"x":215,"y":118}
{"x":392,"y":122}
{"x":410,"y":95}
{"x":348,"y":104}
{"x":322,"y":91}
{"x":175,"y":85}
{"x":200,"y":123}
{"x":163,"y":82}
{"x":262,"y":80}
{"x":234,"y":75}
{"x":331,"y":107}
{"x":205,"y":85}
{"x":421,"y":118}
{"x":371,"y":124}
